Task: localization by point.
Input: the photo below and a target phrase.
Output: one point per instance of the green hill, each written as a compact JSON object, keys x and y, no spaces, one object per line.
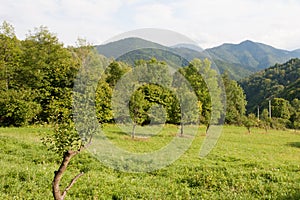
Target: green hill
{"x":172,"y":59}
{"x":281,"y":80}
{"x":118,"y":48}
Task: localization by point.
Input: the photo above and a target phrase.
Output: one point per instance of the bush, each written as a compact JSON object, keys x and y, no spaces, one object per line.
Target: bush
{"x":17,"y":108}
{"x":279,"y":123}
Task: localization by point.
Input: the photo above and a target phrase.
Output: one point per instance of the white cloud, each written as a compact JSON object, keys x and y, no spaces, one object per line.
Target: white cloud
{"x":210,"y":22}
{"x":69,"y":19}
{"x":233,"y":21}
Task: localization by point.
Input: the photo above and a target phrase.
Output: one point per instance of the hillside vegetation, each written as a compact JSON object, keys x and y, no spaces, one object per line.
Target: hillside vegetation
{"x":251,"y":55}
{"x":281,"y":81}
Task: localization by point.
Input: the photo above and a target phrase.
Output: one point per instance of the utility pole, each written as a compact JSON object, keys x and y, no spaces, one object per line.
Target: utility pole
{"x":270,"y":112}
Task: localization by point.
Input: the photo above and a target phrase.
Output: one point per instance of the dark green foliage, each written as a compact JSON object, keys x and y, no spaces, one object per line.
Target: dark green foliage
{"x":295,"y":114}
{"x":280,"y":81}
{"x":278,"y":84}
{"x":47,"y":67}
{"x":114,"y":72}
{"x":280,"y":108}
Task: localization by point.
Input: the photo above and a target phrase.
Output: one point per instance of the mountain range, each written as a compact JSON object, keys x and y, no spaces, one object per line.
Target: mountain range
{"x":239,"y":60}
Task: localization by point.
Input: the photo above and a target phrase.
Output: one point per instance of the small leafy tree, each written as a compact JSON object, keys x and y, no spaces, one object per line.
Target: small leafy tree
{"x":188,"y":104}
{"x":189,"y":109}
{"x":235,"y":101}
{"x":250,"y":122}
{"x":205,"y":83}
{"x":265,"y":121}
{"x":65,"y":142}
{"x":137,"y":106}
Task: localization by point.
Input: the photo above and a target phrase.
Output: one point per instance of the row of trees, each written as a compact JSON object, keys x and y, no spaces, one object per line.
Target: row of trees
{"x":37,"y":78}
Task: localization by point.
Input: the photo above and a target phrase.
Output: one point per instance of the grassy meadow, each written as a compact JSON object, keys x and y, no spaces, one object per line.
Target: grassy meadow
{"x":241,"y":166}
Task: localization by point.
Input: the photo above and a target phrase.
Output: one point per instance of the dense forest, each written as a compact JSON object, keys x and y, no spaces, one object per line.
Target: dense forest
{"x":279,"y":85}
{"x":38,"y":74}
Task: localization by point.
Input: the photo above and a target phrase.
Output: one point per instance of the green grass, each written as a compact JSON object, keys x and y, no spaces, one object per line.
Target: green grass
{"x":241,"y":166}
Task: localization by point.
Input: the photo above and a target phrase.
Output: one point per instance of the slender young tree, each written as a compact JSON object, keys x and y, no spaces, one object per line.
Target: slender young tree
{"x":137,"y":106}
{"x":235,"y":101}
{"x":250,"y":122}
{"x":265,"y":120}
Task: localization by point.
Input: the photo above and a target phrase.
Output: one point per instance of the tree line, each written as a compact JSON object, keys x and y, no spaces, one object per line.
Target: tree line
{"x":38,"y":73}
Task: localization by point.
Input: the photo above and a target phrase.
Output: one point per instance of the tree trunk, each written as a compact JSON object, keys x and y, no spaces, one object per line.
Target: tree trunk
{"x":207,"y":127}
{"x":181,"y":128}
{"x":249,"y":131}
{"x":133,"y":131}
{"x":58,"y":175}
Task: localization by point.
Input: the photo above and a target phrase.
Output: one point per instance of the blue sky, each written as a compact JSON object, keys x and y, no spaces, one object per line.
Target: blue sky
{"x":209,"y":23}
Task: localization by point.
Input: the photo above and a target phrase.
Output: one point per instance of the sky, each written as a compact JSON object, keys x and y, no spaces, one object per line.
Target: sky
{"x":209,"y":23}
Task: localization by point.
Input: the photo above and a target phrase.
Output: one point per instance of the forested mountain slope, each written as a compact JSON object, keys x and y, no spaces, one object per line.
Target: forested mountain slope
{"x":281,"y":80}
{"x":251,"y":55}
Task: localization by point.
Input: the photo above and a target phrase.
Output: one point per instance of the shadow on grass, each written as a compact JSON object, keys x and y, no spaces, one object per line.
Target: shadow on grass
{"x":294,"y":144}
{"x":141,"y":136}
{"x":119,"y":133}
{"x":137,"y":134}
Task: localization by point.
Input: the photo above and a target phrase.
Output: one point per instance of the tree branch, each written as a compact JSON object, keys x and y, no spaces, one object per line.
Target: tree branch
{"x":62,"y":168}
{"x":58,"y":174}
{"x":71,"y":184}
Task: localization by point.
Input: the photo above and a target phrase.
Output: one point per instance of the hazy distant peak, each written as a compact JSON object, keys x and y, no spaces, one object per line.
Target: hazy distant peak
{"x":188,"y":46}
